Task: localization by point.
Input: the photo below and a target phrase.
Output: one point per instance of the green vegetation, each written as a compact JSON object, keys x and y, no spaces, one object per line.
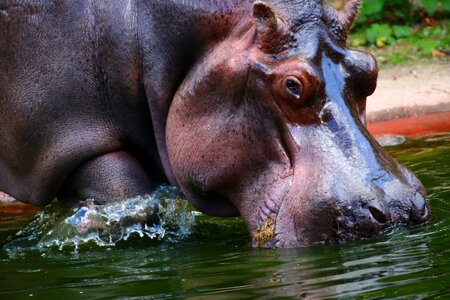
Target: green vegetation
{"x":396,"y":44}
{"x":400,"y":31}
{"x":408,"y":11}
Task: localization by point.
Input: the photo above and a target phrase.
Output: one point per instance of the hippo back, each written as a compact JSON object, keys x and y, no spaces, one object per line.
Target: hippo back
{"x":70,"y":90}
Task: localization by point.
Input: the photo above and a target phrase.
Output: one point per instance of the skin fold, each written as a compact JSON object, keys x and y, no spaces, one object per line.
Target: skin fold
{"x":251,"y":108}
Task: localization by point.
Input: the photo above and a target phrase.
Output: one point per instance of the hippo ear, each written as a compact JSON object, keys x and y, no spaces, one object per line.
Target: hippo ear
{"x":340,"y":21}
{"x":269,"y":26}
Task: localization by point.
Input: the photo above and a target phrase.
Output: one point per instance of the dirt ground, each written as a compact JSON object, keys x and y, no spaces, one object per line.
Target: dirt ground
{"x":407,"y":91}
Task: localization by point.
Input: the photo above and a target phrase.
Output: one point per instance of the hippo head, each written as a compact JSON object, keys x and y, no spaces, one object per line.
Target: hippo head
{"x":270,"y":124}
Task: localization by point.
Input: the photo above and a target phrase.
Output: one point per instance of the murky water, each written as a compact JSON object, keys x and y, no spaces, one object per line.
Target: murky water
{"x":109,"y":252}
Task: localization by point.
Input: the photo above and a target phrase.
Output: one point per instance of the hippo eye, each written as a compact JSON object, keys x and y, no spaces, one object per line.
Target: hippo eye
{"x":293,"y":87}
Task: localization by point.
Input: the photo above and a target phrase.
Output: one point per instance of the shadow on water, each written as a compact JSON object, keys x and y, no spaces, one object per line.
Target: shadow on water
{"x":63,"y":253}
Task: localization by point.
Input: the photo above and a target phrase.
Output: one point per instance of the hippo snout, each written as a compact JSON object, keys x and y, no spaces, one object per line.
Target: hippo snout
{"x":345,"y":191}
{"x":326,"y":222}
{"x":368,"y":218}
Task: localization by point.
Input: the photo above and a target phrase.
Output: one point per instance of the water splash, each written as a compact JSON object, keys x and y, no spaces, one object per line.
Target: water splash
{"x":162,"y":216}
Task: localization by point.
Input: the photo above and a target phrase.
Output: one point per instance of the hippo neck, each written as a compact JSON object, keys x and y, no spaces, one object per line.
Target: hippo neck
{"x":174,"y":34}
{"x":206,"y":20}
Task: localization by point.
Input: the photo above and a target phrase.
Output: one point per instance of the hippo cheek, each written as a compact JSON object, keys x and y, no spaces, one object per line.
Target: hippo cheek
{"x":300,"y":223}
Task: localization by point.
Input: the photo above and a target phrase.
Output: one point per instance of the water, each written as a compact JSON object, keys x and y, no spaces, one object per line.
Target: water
{"x":190,"y":255}
{"x":162,"y":216}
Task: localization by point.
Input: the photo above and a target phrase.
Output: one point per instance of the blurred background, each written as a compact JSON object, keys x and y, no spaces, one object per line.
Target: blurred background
{"x":410,"y":29}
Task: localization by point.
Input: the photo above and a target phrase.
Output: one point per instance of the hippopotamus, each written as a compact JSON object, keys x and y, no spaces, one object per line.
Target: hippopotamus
{"x":250,"y":108}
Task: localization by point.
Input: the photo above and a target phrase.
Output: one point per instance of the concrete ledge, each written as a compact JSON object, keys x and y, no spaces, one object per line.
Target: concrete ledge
{"x":411,"y":101}
{"x":413,"y":126}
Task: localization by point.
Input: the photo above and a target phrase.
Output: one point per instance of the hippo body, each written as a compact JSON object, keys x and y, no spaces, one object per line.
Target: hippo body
{"x":252,"y":108}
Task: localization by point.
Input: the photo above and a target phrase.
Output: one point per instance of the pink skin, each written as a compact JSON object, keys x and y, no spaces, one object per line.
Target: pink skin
{"x":253,"y":108}
{"x":271,"y":133}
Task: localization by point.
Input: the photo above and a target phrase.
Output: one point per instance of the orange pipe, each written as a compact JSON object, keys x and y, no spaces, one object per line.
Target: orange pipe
{"x":413,"y":126}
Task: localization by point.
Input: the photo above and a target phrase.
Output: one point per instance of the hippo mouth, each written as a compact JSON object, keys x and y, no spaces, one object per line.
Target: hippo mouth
{"x":266,"y":235}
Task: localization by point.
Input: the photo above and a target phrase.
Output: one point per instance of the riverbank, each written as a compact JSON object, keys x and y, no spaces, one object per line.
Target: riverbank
{"x":411,"y":100}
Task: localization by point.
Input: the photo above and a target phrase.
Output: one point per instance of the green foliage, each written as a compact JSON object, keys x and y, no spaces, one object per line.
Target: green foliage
{"x":379,"y":34}
{"x":414,"y":28}
{"x":376,"y":10}
{"x":401,"y":31}
{"x":406,"y":42}
{"x":426,"y":46}
{"x":430,"y":5}
{"x":372,"y":8}
{"x":384,"y":34}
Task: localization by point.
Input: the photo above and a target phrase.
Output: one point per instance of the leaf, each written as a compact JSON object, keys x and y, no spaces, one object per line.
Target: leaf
{"x":402,"y":31}
{"x":356,"y":42}
{"x":372,"y":7}
{"x":426,"y":46}
{"x":436,"y":31}
{"x":379,"y":34}
{"x":445,"y":42}
{"x":381,"y":43}
{"x":430,"y":5}
{"x":445,"y":5}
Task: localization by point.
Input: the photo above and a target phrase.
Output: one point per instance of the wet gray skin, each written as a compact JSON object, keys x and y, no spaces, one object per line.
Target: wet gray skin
{"x":251,"y":108}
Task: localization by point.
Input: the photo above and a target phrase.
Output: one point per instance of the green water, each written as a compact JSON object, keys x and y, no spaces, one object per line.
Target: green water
{"x":204,"y":257}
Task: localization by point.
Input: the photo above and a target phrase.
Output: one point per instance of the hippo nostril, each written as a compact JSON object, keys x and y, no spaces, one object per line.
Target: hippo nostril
{"x":425,"y":212}
{"x":418,"y":201}
{"x":418,"y":216}
{"x":419,"y":211}
{"x":378,"y":215}
{"x":379,"y":211}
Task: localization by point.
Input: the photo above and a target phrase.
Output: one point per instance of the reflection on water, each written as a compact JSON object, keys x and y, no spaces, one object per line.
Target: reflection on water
{"x":212,"y":257}
{"x":349,"y":270}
